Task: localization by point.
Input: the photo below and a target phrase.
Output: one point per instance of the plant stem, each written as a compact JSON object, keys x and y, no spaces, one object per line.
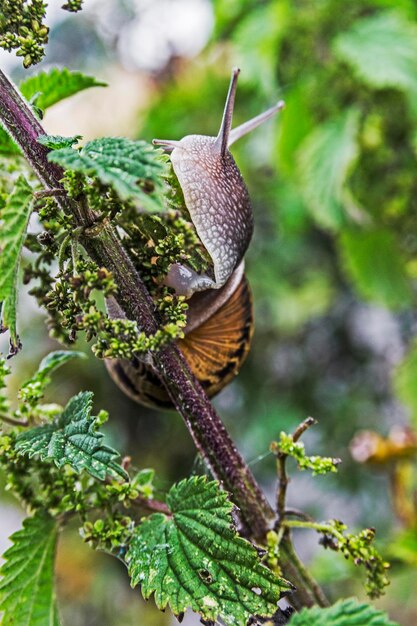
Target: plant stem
{"x":282,"y":472}
{"x":13,"y":421}
{"x":152,"y":505}
{"x":104,"y":247}
{"x":312,"y":525}
{"x":291,"y":563}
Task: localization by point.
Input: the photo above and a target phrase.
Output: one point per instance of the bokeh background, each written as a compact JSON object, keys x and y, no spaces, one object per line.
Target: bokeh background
{"x":333,"y":263}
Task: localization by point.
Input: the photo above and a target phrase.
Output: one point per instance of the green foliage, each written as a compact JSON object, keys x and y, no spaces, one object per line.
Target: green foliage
{"x":73,"y":439}
{"x":317,"y":464}
{"x":49,"y":87}
{"x":56,"y":142}
{"x":44,"y":90}
{"x":14,"y":221}
{"x":23,"y":28}
{"x":344,"y":613}
{"x":143,"y":482}
{"x":4,"y":372}
{"x":264,"y":28}
{"x":360,"y":549}
{"x":405,"y":381}
{"x":73,"y":304}
{"x":134,"y":169}
{"x":223,"y":571}
{"x":29,"y":409}
{"x":27,"y":594}
{"x":374,"y":263}
{"x":8,"y":148}
{"x":382,"y":50}
{"x":33,"y":389}
{"x":325,"y":159}
{"x":73,"y":6}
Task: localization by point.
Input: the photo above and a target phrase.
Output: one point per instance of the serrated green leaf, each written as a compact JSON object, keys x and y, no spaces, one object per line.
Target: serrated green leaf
{"x":73,"y":439}
{"x":325,"y":159}
{"x":127,"y":166}
{"x":344,"y":613}
{"x":55,"y":85}
{"x":382,"y":50}
{"x":27,"y":594}
{"x":195,"y":558}
{"x":56,"y":142}
{"x":372,"y":260}
{"x":14,"y":219}
{"x":7,"y":145}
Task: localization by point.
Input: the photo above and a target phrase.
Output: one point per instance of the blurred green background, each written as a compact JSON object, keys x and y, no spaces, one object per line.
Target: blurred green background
{"x":332,"y":266}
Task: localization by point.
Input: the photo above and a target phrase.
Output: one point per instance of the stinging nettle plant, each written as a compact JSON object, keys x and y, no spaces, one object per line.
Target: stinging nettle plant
{"x":119,"y":222}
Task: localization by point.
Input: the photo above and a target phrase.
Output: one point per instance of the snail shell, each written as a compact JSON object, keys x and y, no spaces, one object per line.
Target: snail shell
{"x":219,"y":318}
{"x":214,"y":345}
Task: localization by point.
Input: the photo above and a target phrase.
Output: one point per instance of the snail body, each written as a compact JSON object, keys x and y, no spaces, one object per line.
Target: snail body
{"x":219,"y":318}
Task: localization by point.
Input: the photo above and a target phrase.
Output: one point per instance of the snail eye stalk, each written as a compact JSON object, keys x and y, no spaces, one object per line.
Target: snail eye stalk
{"x":222,"y":139}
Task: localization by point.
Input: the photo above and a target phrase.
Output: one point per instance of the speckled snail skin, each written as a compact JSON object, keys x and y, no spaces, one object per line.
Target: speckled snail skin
{"x":219,"y":318}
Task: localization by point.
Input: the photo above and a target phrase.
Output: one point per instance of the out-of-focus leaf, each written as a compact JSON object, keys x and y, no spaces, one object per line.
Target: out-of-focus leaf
{"x":325,"y":159}
{"x":405,"y":381}
{"x":27,"y":594}
{"x":55,"y":85}
{"x":408,"y":8}
{"x":263,"y":27}
{"x":404,"y":547}
{"x":296,"y":123}
{"x":344,"y":613}
{"x":7,"y":145}
{"x":373,"y":262}
{"x":382,"y":50}
{"x":227,"y":13}
{"x":194,"y":558}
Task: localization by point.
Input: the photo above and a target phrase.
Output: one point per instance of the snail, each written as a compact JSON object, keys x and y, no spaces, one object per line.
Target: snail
{"x":219,"y":317}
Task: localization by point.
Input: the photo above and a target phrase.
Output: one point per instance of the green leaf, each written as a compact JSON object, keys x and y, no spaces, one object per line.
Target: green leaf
{"x":126,"y":165}
{"x":33,"y":389}
{"x":7,"y":145}
{"x":143,"y":482}
{"x":373,"y":261}
{"x":344,"y":613}
{"x":325,"y":159}
{"x":195,"y":559}
{"x":382,"y":50}
{"x":264,"y":27}
{"x":56,"y":142}
{"x":55,"y":85}
{"x":14,"y":219}
{"x":73,"y":439}
{"x":295,"y":124}
{"x":53,"y":360}
{"x":405,"y":381}
{"x":27,"y":594}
